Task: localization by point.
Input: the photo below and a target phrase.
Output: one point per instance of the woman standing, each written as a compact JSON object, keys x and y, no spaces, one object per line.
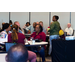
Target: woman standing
{"x":54,"y":31}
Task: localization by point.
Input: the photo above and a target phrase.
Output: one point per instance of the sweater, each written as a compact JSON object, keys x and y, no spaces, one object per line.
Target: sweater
{"x":21,"y":38}
{"x":54,"y":28}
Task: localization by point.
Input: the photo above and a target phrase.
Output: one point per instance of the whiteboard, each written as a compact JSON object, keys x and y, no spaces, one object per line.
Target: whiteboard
{"x":4,"y":17}
{"x":73,"y":20}
{"x":40,"y":16}
{"x":22,"y":17}
{"x":64,"y":18}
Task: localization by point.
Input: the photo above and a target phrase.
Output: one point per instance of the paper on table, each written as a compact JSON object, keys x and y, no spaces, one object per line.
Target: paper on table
{"x":37,"y":43}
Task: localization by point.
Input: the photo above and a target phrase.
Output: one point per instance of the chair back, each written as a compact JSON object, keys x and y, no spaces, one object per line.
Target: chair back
{"x":8,"y":45}
{"x":73,"y":33}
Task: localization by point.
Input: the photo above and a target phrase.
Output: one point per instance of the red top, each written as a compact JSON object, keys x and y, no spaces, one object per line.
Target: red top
{"x":40,"y":36}
{"x":21,"y":38}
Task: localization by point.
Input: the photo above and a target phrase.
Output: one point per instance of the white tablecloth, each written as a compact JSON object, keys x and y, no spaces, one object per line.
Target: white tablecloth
{"x":37,"y":43}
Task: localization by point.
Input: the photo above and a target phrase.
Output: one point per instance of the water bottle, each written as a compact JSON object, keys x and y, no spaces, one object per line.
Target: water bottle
{"x":32,"y":40}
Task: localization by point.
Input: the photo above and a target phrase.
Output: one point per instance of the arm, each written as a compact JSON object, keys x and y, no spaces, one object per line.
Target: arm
{"x":51,"y":27}
{"x":42,"y":36}
{"x":28,"y":28}
{"x":32,"y":35}
{"x":24,"y":26}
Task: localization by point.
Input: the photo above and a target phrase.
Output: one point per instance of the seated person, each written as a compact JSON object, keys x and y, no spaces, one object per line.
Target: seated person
{"x":37,"y":23}
{"x":69,"y":30}
{"x":17,"y":53}
{"x":34,"y":24}
{"x":17,"y":23}
{"x":18,"y":37}
{"x":29,"y":28}
{"x":44,"y":30}
{"x":5,"y":30}
{"x":38,"y":34}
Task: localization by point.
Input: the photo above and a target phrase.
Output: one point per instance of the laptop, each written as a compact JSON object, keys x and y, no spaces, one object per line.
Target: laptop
{"x":8,"y":45}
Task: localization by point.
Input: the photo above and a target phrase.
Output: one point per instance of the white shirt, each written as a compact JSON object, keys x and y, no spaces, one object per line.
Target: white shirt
{"x":30,"y":27}
{"x":3,"y":36}
{"x":69,"y":31}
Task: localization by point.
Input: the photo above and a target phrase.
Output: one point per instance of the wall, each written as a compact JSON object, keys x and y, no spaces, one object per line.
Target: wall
{"x":46,"y":17}
{"x":64,"y":18}
{"x":22,"y":17}
{"x":4,"y":17}
{"x":40,"y":16}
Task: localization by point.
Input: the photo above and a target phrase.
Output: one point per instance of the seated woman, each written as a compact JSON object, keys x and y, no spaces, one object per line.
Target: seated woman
{"x":17,"y":37}
{"x":28,"y":27}
{"x":38,"y":34}
{"x":18,"y":24}
{"x":5,"y":30}
{"x":4,"y":34}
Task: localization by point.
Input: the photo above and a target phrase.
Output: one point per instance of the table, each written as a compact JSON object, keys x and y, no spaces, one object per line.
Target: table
{"x":3,"y":53}
{"x":47,"y":40}
{"x":36,"y":43}
{"x":28,"y":44}
{"x":63,"y":51}
{"x":28,"y":35}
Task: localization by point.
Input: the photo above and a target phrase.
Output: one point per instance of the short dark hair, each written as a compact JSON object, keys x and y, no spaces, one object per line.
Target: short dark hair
{"x":5,"y":26}
{"x":10,"y":21}
{"x":17,"y":53}
{"x":28,"y":23}
{"x":41,"y":29}
{"x":57,"y":17}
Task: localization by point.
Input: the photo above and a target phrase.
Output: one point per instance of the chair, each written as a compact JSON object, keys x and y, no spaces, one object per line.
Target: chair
{"x":35,"y":51}
{"x":8,"y":45}
{"x":73,"y":33}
